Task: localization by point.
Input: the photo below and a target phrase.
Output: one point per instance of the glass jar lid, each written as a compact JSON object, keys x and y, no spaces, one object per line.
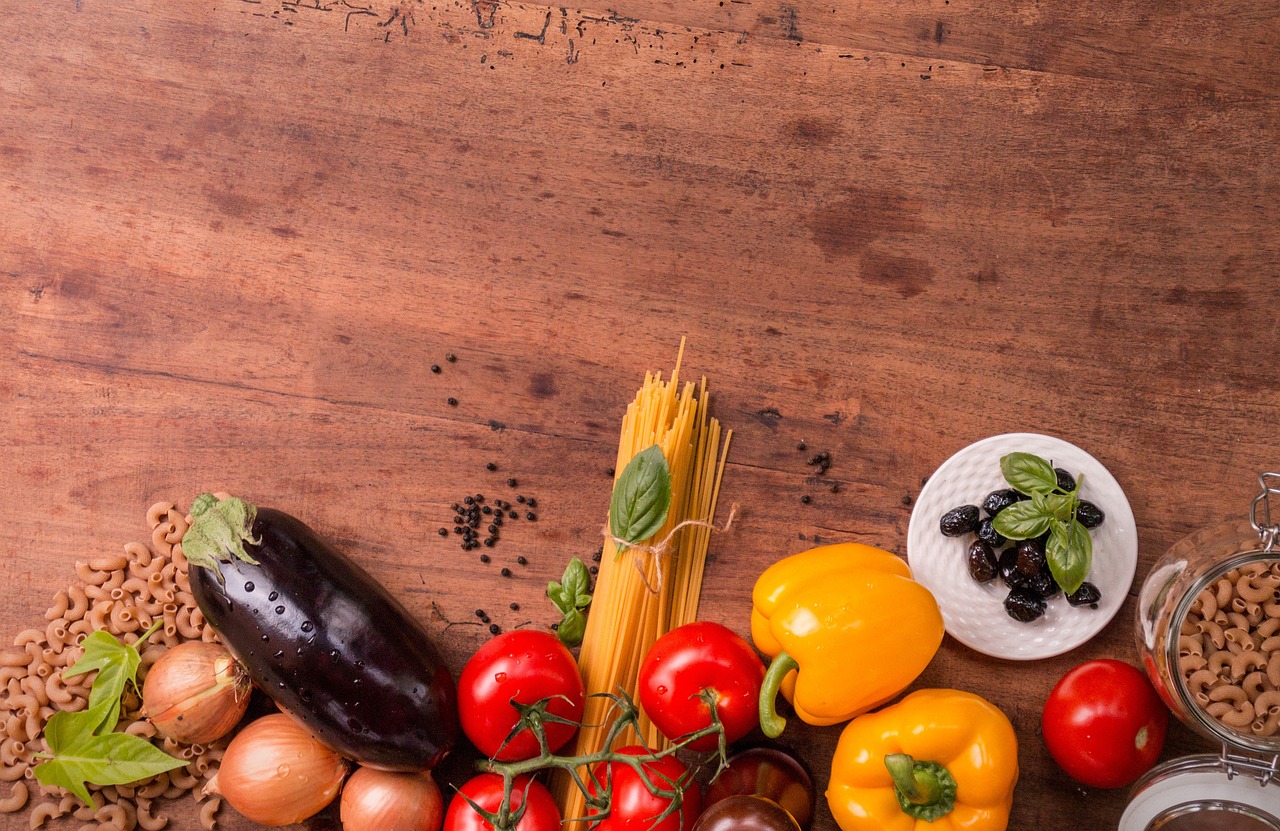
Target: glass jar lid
{"x":1206,"y":793}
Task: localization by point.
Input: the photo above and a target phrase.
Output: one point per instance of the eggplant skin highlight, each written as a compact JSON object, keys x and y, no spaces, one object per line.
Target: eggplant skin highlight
{"x":327,"y":642}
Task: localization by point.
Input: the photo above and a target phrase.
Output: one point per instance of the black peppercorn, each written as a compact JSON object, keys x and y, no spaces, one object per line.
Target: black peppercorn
{"x":491,"y":466}
{"x":531,"y":502}
{"x":610,"y":471}
{"x":484,"y":558}
{"x":457,"y":529}
{"x":511,"y":483}
{"x":515,"y":607}
{"x":513,"y":515}
{"x":450,"y":357}
{"x":594,"y":569}
{"x":806,"y":499}
{"x":488,"y":542}
{"x":522,"y":561}
{"x":494,"y":629}
{"x":531,"y":516}
{"x":493,"y":529}
{"x":520,"y":499}
{"x":800,"y":446}
{"x":486,"y":510}
{"x":444,"y":532}
{"x":506,"y":572}
{"x":468,"y":500}
{"x":479,"y":612}
{"x":452,"y":402}
{"x":435,"y":368}
{"x":479,"y":497}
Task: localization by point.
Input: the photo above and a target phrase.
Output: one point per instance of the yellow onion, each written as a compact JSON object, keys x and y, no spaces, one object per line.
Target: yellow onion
{"x":378,"y":800}
{"x":275,"y":773}
{"x":195,"y":693}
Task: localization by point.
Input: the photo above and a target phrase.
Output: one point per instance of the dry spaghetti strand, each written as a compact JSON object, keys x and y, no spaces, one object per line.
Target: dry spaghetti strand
{"x":650,"y":589}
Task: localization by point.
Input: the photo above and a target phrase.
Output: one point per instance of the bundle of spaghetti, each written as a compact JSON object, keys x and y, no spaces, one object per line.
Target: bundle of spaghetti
{"x":642,"y":593}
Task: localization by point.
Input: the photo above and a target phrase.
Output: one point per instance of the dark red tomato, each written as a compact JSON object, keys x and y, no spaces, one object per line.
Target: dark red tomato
{"x":1104,"y":724}
{"x":527,"y":666}
{"x":769,"y":773}
{"x":692,"y":658}
{"x":743,"y":812}
{"x":540,"y":813}
{"x":633,"y":807}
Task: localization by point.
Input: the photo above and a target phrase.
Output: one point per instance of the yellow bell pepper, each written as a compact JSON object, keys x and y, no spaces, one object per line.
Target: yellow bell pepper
{"x":848,"y":629}
{"x":938,"y":760}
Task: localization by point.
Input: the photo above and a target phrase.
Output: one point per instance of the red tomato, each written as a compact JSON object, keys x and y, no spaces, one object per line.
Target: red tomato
{"x":633,"y":807}
{"x":527,"y":666}
{"x":692,"y":658}
{"x":540,"y":814}
{"x":1104,"y":724}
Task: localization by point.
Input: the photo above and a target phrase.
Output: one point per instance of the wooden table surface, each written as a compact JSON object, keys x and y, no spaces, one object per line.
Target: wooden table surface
{"x":237,"y":235}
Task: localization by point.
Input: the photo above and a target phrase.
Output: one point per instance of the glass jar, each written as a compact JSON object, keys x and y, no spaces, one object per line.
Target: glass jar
{"x":1237,"y":788}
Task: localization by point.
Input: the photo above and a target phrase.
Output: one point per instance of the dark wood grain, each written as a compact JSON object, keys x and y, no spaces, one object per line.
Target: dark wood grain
{"x":236,"y":237}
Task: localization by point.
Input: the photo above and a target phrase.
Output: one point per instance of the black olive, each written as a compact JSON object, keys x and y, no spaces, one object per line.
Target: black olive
{"x":1007,"y":563}
{"x":1089,"y":515}
{"x":997,"y":501}
{"x":982,"y":562}
{"x":1066,"y":482}
{"x":987,"y":533}
{"x":1086,"y":595}
{"x":1043,"y":584}
{"x":1024,"y":605}
{"x":1030,"y":557}
{"x":959,"y":521}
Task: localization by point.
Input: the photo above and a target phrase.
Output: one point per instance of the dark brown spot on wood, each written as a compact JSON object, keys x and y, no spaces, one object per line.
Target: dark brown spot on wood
{"x":908,"y":275}
{"x":846,"y":227}
{"x":811,"y":132}
{"x":542,"y":385}
{"x":284,"y":231}
{"x":938,"y":32}
{"x":231,"y":203}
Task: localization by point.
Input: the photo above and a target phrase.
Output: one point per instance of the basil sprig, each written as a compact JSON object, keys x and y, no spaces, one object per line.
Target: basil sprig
{"x":571,"y":597}
{"x":1051,"y":509}
{"x":641,"y":497}
{"x":84,"y":746}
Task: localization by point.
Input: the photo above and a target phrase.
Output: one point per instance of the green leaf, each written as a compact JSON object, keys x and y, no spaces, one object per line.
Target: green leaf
{"x":219,"y":530}
{"x":571,"y":596}
{"x":111,"y":759}
{"x":1070,"y":554}
{"x":1025,"y":472}
{"x":117,"y":665}
{"x":641,"y":497}
{"x":1062,"y":505}
{"x":572,"y":628}
{"x":1022,"y":520}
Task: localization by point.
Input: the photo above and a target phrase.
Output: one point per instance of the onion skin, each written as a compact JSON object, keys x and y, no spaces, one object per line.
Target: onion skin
{"x":379,"y":800}
{"x":196,"y":693}
{"x":274,"y":773}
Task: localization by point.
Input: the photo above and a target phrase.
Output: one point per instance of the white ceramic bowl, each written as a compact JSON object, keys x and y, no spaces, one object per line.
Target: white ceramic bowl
{"x":974,"y":612}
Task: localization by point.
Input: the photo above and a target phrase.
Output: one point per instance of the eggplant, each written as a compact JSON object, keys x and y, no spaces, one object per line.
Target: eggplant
{"x":327,"y":642}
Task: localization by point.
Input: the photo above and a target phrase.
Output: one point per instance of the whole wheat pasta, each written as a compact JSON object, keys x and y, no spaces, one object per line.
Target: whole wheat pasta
{"x":1255,"y":684}
{"x":1208,"y":603}
{"x":14,"y":772}
{"x":124,"y":619}
{"x":186,"y":627}
{"x":115,"y":815}
{"x":79,"y":603}
{"x":14,"y":659}
{"x":27,"y":637}
{"x":147,"y":820}
{"x":1271,"y":644}
{"x":109,"y":563}
{"x":88,"y":576}
{"x":61,"y":603}
{"x":16,"y":799}
{"x":1219,"y":663}
{"x":1190,"y":645}
{"x":44,"y":812}
{"x":155,"y":787}
{"x":209,"y":814}
{"x":1271,"y":608}
{"x":34,"y":686}
{"x":1242,"y":638}
{"x":1241,"y":716}
{"x":1223,"y":590}
{"x":98,"y":613}
{"x":1238,"y":620}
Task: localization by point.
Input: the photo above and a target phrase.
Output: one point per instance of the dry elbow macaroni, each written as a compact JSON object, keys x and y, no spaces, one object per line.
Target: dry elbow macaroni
{"x":1229,"y":649}
{"x":123,"y":594}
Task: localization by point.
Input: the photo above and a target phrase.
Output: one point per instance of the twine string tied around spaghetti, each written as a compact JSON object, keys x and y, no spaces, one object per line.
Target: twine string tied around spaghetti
{"x":657,"y":550}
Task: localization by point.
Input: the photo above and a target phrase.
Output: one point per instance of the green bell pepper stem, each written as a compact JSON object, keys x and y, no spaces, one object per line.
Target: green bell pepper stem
{"x":925,"y":790}
{"x":770,"y":722}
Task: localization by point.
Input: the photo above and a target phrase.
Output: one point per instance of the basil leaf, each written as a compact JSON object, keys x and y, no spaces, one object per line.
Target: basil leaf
{"x":1070,"y":554}
{"x":117,"y":665}
{"x":570,"y":596}
{"x":641,"y":497}
{"x":1028,"y":473}
{"x":572,"y":628}
{"x":1022,"y":521}
{"x":1062,"y":505}
{"x":111,"y":759}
